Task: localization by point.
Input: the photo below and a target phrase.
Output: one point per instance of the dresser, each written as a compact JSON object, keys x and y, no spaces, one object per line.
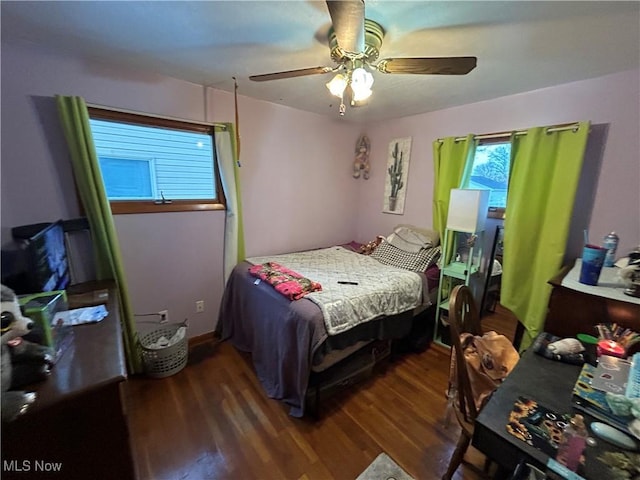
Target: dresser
{"x":576,"y":308}
{"x":77,"y":428}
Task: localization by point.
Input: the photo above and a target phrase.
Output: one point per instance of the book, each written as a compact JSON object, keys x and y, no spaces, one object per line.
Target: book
{"x":537,"y":425}
{"x":611,"y":374}
{"x":593,"y":402}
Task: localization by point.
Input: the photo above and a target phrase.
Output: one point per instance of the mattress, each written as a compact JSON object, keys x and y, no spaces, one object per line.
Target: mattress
{"x":288,"y":339}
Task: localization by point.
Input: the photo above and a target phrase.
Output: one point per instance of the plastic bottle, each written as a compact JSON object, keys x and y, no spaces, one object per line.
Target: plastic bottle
{"x":572,"y":445}
{"x":611,"y":244}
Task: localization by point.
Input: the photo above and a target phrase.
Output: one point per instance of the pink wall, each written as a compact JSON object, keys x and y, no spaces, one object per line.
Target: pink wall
{"x":296,"y":176}
{"x":609,"y":102}
{"x":297,"y":189}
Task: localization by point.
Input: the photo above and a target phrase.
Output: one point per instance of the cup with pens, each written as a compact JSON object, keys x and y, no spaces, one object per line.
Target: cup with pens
{"x":616,"y":340}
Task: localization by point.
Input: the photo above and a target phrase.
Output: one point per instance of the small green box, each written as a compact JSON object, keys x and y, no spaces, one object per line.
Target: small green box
{"x":42,"y":309}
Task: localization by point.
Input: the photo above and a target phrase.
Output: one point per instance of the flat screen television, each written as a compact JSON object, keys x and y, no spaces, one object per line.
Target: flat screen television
{"x":47,"y":261}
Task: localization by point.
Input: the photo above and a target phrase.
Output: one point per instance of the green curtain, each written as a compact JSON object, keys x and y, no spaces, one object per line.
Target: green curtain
{"x":75,"y":123}
{"x":452,"y":160}
{"x":545,"y":170}
{"x":227,"y":156}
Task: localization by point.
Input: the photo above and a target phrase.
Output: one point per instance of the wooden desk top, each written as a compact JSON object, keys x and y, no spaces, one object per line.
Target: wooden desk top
{"x":78,"y":421}
{"x":577,"y":309}
{"x":93,"y":359}
{"x":609,"y":283}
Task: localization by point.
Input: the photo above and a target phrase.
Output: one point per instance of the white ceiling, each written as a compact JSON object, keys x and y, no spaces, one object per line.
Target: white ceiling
{"x":520,"y":45}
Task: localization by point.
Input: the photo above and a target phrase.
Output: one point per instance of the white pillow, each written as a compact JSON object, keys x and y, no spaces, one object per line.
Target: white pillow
{"x":408,"y":240}
{"x":431,"y":237}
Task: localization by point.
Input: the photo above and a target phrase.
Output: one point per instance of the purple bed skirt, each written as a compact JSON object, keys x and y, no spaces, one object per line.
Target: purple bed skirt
{"x":285,"y":338}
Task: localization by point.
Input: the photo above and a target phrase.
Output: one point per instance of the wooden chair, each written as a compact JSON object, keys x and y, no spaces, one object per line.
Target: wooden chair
{"x":463,"y":317}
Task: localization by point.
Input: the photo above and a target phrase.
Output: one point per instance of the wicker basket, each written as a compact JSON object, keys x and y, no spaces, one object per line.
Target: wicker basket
{"x":166,"y":361}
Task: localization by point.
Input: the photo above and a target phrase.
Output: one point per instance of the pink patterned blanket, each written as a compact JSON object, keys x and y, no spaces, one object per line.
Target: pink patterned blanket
{"x":287,"y":282}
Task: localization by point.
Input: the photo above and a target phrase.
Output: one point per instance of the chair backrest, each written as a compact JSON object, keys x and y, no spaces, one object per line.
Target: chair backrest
{"x":463,"y":318}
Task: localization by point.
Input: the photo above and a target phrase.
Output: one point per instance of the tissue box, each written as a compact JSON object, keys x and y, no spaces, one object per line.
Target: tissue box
{"x":42,"y":309}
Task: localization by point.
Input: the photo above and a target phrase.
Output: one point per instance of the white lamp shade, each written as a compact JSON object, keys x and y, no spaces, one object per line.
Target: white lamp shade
{"x":467,"y":210}
{"x":361,"y":82}
{"x":362,"y":94}
{"x":360,"y":78}
{"x":337,"y":85}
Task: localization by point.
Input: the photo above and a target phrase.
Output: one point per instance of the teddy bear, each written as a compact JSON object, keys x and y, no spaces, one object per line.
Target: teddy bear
{"x":23,"y":362}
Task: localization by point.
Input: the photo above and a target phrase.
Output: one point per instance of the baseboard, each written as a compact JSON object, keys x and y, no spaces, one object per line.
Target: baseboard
{"x":209,"y":337}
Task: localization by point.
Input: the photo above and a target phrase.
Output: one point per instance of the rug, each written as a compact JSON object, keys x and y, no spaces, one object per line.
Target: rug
{"x":384,"y":468}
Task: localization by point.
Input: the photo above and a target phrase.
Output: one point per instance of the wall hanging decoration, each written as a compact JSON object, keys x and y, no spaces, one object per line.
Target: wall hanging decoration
{"x":361,"y":163}
{"x":395,"y":187}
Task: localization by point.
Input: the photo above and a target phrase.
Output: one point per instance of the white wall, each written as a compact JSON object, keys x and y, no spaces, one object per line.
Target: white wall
{"x":611,"y":103}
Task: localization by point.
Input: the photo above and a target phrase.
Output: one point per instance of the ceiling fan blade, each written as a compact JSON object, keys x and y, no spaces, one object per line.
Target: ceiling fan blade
{"x":347,"y":18}
{"x":428,"y":66}
{"x":291,"y":74}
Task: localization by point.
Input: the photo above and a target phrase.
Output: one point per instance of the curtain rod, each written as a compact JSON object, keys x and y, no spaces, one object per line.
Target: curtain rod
{"x":124,"y":110}
{"x":554,"y":128}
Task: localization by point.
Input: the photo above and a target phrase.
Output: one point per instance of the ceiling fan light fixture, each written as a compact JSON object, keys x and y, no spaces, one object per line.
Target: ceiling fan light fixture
{"x":360,"y":95}
{"x":337,"y":85}
{"x":361,"y":83}
{"x":354,"y":44}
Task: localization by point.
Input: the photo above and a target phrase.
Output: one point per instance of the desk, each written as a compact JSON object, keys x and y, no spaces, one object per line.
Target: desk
{"x":78,"y":419}
{"x":548,"y":382}
{"x":575,"y":308}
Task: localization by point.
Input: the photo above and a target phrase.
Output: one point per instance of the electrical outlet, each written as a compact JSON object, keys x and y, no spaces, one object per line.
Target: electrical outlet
{"x":199,"y":306}
{"x":164,"y":315}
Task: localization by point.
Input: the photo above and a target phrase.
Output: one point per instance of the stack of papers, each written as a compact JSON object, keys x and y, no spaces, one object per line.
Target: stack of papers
{"x":80,"y":316}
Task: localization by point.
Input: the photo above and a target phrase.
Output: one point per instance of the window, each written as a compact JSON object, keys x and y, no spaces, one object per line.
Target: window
{"x":152,"y":164}
{"x":490,"y":170}
{"x":127,"y":178}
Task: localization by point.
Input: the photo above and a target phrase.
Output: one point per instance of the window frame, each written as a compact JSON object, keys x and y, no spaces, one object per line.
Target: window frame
{"x":154,"y":206}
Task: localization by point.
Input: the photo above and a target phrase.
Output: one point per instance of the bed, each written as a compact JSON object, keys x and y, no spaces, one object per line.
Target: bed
{"x":366,"y":301}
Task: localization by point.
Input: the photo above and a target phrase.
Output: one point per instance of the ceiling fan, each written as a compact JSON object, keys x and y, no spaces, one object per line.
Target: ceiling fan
{"x":355,"y":44}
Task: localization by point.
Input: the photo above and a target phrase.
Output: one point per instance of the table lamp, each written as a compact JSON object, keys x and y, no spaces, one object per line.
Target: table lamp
{"x":467,"y":210}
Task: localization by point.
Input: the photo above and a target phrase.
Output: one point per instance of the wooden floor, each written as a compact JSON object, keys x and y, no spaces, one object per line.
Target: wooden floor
{"x":213,"y":421}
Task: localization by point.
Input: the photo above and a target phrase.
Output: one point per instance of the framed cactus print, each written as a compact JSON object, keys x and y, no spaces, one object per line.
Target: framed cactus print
{"x":395,"y":185}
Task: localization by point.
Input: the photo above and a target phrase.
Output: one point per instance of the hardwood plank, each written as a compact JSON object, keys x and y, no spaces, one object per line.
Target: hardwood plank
{"x":213,"y":421}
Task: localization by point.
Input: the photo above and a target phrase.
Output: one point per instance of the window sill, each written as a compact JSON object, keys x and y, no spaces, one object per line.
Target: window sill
{"x":122,"y":207}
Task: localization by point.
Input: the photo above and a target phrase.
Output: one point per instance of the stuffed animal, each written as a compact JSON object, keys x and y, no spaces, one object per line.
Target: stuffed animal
{"x":30,"y":362}
{"x":630,"y":273}
{"x":368,"y":248}
{"x":23,"y":362}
